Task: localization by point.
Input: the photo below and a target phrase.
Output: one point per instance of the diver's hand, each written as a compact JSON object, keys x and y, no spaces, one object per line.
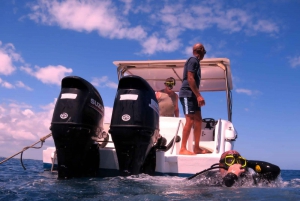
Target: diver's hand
{"x":236,"y":169}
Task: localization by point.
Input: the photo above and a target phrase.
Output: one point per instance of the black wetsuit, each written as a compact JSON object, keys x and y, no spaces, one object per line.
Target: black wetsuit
{"x":261,"y":171}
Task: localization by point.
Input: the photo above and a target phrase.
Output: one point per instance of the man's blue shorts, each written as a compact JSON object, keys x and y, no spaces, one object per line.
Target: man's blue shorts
{"x":189,"y":105}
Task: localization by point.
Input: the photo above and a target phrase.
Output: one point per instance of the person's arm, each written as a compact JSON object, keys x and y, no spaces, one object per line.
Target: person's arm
{"x":194,"y":88}
{"x":192,"y":83}
{"x":266,"y":170}
{"x":176,"y":109}
{"x":157,"y":94}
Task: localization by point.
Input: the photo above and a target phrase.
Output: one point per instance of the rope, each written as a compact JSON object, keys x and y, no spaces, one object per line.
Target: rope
{"x":42,"y":140}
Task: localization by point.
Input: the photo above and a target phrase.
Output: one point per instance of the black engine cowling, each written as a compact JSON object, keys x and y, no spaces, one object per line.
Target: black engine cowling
{"x":134,"y":123}
{"x":76,"y":123}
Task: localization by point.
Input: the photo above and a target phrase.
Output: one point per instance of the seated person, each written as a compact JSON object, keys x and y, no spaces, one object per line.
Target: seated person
{"x":168,"y":99}
{"x":242,"y":170}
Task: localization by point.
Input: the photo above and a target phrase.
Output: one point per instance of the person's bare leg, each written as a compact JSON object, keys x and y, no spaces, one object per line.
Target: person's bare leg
{"x":185,"y":134}
{"x":197,"y":133}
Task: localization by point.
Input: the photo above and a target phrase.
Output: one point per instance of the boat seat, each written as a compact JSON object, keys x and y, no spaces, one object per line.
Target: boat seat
{"x":208,"y":129}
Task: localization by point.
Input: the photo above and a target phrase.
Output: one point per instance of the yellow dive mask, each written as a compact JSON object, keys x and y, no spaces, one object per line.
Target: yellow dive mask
{"x":229,"y":160}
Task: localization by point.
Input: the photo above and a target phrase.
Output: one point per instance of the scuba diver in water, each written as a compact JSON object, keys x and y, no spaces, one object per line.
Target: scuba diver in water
{"x":240,"y":169}
{"x":235,"y":169}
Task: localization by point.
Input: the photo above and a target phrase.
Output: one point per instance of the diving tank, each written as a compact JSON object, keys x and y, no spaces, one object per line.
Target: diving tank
{"x":134,"y":123}
{"x":76,"y":124}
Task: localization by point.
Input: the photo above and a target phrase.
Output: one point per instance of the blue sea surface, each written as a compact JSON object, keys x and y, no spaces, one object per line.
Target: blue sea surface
{"x":36,"y":184}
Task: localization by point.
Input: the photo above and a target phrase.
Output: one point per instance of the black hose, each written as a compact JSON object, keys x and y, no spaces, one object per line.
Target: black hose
{"x":211,"y":168}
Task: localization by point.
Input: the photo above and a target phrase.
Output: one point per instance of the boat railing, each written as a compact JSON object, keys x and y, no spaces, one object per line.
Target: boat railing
{"x":176,"y":134}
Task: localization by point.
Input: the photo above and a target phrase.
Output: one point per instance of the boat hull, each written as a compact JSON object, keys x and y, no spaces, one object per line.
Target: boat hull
{"x":169,"y":162}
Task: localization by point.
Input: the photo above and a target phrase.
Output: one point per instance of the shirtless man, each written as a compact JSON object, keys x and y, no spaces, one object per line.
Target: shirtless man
{"x":168,"y":99}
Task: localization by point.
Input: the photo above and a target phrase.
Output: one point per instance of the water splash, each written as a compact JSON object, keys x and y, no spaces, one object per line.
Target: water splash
{"x":37,"y":184}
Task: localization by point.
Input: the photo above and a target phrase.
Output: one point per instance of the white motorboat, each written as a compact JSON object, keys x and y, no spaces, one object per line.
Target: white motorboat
{"x":131,"y":142}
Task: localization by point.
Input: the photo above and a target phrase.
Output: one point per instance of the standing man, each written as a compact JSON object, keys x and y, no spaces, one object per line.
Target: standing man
{"x":191,"y":100}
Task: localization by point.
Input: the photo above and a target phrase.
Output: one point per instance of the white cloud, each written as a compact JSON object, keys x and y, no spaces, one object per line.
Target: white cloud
{"x":49,"y":74}
{"x":7,"y":57}
{"x":188,"y":51}
{"x":27,"y":113}
{"x":265,"y":26}
{"x":295,"y":61}
{"x":203,"y":16}
{"x":19,"y":105}
{"x":100,"y":16}
{"x":127,"y":6}
{"x":20,"y":84}
{"x":6,"y":64}
{"x":154,"y":44}
{"x":20,"y":122}
{"x":103,"y":82}
{"x":247,"y":91}
{"x":21,"y":125}
{"x":163,"y":26}
{"x":6,"y":84}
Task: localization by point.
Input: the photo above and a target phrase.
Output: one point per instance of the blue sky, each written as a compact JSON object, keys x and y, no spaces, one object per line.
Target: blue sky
{"x":43,"y":41}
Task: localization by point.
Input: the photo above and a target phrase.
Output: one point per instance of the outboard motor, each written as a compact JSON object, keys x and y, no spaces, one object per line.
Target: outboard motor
{"x":76,"y":123}
{"x":134,"y":123}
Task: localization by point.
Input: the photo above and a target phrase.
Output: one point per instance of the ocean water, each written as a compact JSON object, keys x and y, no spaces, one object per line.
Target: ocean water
{"x":36,"y":184}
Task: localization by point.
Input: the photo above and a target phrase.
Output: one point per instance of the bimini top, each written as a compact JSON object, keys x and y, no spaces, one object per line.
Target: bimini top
{"x":215,"y":73}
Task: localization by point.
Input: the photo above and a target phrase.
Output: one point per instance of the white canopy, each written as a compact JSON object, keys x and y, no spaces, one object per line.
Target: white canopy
{"x":214,"y":72}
